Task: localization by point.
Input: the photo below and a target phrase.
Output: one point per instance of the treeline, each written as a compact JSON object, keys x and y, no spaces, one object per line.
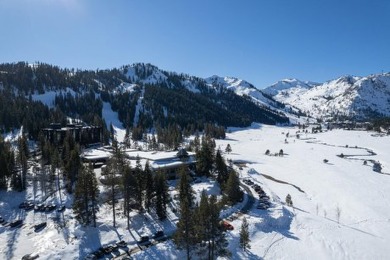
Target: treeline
{"x":7,"y":163}
{"x":380,"y":123}
{"x":39,"y":77}
{"x":13,"y":164}
{"x":85,"y":107}
{"x":17,"y":111}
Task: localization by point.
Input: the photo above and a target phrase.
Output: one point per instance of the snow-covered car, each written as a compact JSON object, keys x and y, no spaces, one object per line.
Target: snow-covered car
{"x":90,"y":257}
{"x":121,"y":243}
{"x":39,"y":207}
{"x":262,"y":206}
{"x":31,"y":256}
{"x":50,"y":207}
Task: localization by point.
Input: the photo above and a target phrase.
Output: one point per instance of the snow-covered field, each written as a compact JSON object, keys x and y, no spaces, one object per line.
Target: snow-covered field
{"x":310,"y":230}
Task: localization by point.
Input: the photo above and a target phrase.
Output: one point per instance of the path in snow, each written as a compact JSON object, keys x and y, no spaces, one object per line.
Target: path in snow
{"x":280,"y":181}
{"x":349,"y":156}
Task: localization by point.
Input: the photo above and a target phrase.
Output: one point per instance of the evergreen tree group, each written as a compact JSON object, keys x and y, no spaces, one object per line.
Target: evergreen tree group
{"x":244,"y":235}
{"x":85,"y":203}
{"x":199,"y":229}
{"x":7,"y":163}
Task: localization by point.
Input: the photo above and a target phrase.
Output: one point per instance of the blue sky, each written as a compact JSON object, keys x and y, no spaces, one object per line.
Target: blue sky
{"x":259,"y":41}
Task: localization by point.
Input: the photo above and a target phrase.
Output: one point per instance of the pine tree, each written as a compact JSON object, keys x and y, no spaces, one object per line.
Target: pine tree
{"x":138,"y":173}
{"x":85,"y":197}
{"x":23,"y":154}
{"x":185,"y":236}
{"x":221,"y":169}
{"x":128,"y":187}
{"x":72,"y":168}
{"x":228,"y":148}
{"x":93,"y":193}
{"x":244,"y":235}
{"x":208,"y":229}
{"x":161,"y":195}
{"x":233,"y":191}
{"x":289,"y":200}
{"x":113,"y":180}
{"x":202,"y":215}
{"x":149,"y":186}
{"x":205,"y":157}
{"x":7,"y":163}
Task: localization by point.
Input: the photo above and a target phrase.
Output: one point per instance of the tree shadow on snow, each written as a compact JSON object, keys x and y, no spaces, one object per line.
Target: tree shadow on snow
{"x":238,"y":129}
{"x":11,"y":212}
{"x":88,"y":241}
{"x":280,"y":224}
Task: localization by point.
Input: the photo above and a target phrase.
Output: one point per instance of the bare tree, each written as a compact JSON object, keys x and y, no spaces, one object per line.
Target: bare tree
{"x":338,"y":213}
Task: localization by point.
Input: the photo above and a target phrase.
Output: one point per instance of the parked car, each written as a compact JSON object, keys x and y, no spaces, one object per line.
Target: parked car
{"x":226,"y":225}
{"x":121,"y":243}
{"x":91,"y":257}
{"x":114,"y":247}
{"x":262,"y":206}
{"x":264,"y":197}
{"x":16,"y":223}
{"x":29,"y":205}
{"x":248,"y":182}
{"x":39,"y":207}
{"x":50,"y":207}
{"x":31,"y":256}
{"x":144,"y":241}
{"x":108,"y":249}
{"x":26,"y":205}
{"x":159,"y":236}
{"x":40,"y":226}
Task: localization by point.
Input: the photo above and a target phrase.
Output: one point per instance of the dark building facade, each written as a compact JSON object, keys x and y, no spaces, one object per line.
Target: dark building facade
{"x":84,"y":135}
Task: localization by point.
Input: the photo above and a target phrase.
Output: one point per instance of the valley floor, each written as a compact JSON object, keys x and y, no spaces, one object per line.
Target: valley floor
{"x":313,"y":229}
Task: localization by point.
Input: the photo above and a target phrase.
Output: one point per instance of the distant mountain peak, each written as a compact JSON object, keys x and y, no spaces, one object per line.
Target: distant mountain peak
{"x":228,"y":82}
{"x":287,"y":84}
{"x":346,"y":97}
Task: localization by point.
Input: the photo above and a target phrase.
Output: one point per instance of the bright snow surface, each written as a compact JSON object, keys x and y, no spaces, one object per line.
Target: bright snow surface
{"x":310,"y":230}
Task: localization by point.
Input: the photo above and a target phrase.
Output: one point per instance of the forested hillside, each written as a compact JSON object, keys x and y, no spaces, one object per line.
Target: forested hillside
{"x":144,"y":97}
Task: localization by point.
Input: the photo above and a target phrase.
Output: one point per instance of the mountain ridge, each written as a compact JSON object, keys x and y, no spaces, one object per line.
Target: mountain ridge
{"x":346,"y":97}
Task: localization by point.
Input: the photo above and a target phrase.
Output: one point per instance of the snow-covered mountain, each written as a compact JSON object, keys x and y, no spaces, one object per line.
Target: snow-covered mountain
{"x":342,"y":98}
{"x":287,"y":84}
{"x":241,"y":87}
{"x":261,"y":98}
